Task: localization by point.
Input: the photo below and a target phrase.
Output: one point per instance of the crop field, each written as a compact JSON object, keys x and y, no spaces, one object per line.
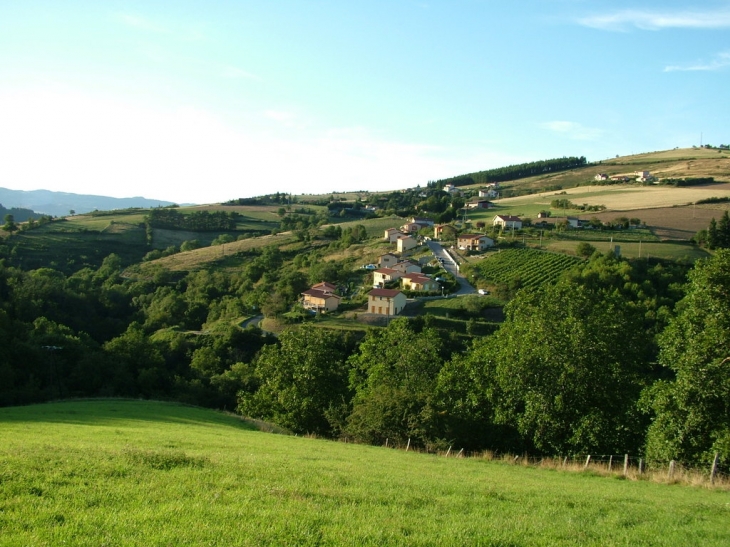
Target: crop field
{"x":531,"y":267}
{"x":665,"y":250}
{"x":375,"y":226}
{"x":135,"y":473}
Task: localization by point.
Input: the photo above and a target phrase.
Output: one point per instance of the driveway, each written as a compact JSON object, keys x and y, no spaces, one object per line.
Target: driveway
{"x":450,"y":266}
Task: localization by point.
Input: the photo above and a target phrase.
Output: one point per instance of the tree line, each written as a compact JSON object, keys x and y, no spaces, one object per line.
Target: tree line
{"x":615,"y":357}
{"x":517,"y":171}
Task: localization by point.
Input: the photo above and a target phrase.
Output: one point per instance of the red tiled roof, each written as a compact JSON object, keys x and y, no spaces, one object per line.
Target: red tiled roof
{"x":388,"y":293}
{"x":316,"y":293}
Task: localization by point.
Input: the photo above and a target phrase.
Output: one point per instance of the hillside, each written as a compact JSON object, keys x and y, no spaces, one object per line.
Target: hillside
{"x":121,"y":472}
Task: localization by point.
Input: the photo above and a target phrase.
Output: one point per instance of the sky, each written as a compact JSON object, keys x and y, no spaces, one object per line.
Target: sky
{"x":206,"y":101}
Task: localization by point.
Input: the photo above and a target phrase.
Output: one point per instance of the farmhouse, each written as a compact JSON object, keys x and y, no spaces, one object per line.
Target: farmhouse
{"x":386,"y":301}
{"x":404,"y":243}
{"x":474,"y":242}
{"x":507,"y":221}
{"x":601,"y":176}
{"x":418,"y":282}
{"x":643,"y":176}
{"x":385,"y":275}
{"x":321,"y":297}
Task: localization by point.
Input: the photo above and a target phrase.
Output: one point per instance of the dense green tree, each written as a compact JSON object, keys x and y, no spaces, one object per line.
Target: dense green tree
{"x":569,"y":367}
{"x":394,"y":378}
{"x":303,"y":380}
{"x":693,"y":410}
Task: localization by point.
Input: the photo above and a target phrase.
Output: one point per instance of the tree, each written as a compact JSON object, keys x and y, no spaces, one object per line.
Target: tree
{"x":303,"y":381}
{"x":10,"y":225}
{"x":585,"y":249}
{"x":394,"y":379}
{"x":568,"y":369}
{"x":692,"y":411}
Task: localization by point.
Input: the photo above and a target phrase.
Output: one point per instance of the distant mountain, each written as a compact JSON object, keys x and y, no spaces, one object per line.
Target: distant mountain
{"x":60,"y":203}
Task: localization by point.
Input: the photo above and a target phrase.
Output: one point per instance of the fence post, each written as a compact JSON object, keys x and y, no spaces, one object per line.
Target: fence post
{"x":671,"y":470}
{"x":641,"y":466}
{"x":386,"y":442}
{"x":460,"y":453}
{"x":715,"y":462}
{"x":610,"y":463}
{"x":626,"y":464}
{"x":448,"y":452}
{"x":565,"y":461}
{"x":588,"y":460}
{"x":409,"y":444}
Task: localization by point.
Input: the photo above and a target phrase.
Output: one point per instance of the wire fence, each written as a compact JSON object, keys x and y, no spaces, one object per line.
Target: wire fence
{"x":714,"y":473}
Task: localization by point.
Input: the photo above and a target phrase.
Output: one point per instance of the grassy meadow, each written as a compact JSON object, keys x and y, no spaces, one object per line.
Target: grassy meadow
{"x":144,"y":473}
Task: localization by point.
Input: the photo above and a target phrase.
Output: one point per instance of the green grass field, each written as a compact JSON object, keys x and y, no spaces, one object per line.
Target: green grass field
{"x":155,"y":474}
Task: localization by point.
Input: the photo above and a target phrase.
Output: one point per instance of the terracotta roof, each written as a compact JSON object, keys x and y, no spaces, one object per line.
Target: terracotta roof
{"x":387,"y":271}
{"x":417,"y":277}
{"x":316,"y":293}
{"x":389,"y":293}
{"x":325,"y":286}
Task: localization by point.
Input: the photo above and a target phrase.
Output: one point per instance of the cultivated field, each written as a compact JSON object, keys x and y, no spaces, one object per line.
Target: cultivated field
{"x":133,"y":473}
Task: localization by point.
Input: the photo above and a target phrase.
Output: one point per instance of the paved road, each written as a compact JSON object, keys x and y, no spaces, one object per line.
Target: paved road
{"x":450,"y":266}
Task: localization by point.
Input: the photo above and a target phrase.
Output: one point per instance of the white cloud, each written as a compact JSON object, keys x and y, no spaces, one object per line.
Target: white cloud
{"x":573,"y":130}
{"x":720,"y":61}
{"x":658,"y":20}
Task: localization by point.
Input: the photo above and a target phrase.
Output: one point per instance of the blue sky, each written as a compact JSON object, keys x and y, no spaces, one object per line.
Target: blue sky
{"x":206,"y":101}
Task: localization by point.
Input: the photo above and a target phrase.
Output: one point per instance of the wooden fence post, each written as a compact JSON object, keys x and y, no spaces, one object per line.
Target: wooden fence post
{"x":626,"y":464}
{"x":448,"y":451}
{"x":409,"y":444}
{"x":386,"y":442}
{"x":671,"y":470}
{"x":565,"y":461}
{"x":588,"y":460}
{"x":641,"y":466}
{"x":610,"y":463}
{"x":460,"y":453}
{"x":715,"y":462}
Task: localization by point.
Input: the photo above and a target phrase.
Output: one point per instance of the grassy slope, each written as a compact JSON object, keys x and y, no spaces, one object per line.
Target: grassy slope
{"x":144,"y":473}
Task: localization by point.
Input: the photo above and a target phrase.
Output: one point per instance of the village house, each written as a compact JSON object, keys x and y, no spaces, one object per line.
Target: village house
{"x":507,"y":221}
{"x":601,"y":176}
{"x":418,"y":282}
{"x":404,"y":243}
{"x":386,"y":301}
{"x":411,"y":228}
{"x":620,"y":178}
{"x":474,"y":242}
{"x":385,"y":275}
{"x":407,"y":267}
{"x":321,"y":298}
{"x":388,"y":260}
{"x":392,"y":235}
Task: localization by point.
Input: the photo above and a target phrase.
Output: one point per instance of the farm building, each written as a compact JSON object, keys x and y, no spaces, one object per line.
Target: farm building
{"x":386,"y":301}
